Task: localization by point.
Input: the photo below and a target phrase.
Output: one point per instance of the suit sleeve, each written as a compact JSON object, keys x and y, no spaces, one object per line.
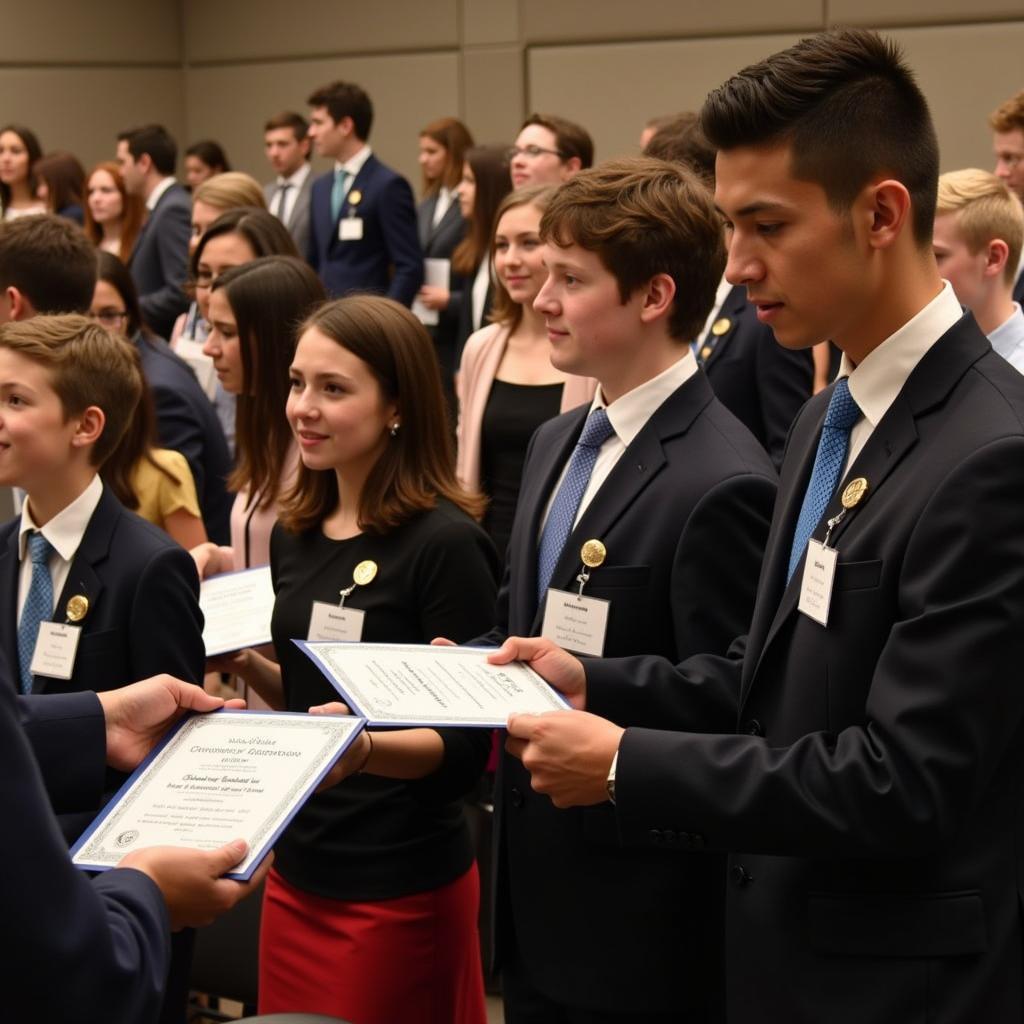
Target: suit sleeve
{"x":401,"y":239}
{"x":73,"y":945}
{"x":166,"y":621}
{"x":164,"y":304}
{"x":179,"y":430}
{"x":785,"y":381}
{"x":942,"y":717}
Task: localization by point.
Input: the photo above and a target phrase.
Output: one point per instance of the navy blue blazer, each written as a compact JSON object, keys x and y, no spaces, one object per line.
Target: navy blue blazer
{"x":871,"y":788}
{"x":684,"y":517}
{"x":763,"y":384}
{"x":387,"y":260}
{"x":187,"y":422}
{"x":77,"y":948}
{"x":159,"y":260}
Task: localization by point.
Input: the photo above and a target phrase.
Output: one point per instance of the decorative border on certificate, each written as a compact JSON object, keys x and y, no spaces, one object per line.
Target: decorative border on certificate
{"x":114,"y":832}
{"x":242,"y":627}
{"x":487,"y":693}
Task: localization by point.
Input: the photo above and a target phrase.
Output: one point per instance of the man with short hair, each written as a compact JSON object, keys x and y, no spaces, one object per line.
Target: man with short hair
{"x":549,"y":150}
{"x":286,"y":144}
{"x":979,"y":230}
{"x":1007,"y":124}
{"x":158,"y":262}
{"x":870,"y":791}
{"x":363,"y":235}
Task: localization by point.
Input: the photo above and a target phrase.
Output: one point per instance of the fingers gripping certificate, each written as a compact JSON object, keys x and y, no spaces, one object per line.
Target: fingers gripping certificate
{"x":218,"y":777}
{"x":237,"y":607}
{"x":412,"y":684}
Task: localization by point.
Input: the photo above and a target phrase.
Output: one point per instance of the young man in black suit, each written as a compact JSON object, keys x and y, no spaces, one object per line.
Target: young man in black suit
{"x":870,"y":790}
{"x":159,"y":260}
{"x":362,"y":230}
{"x":675,"y":506}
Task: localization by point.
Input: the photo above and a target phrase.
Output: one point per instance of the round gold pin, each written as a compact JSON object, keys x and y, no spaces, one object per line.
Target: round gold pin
{"x":593,"y":553}
{"x":854,"y":492}
{"x":705,"y":352}
{"x":365,"y":572}
{"x":354,"y":198}
{"x":77,"y":608}
{"x":721,"y":326}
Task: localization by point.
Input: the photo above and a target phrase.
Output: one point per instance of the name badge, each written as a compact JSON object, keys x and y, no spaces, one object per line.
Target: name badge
{"x":575,"y":622}
{"x":350,"y":229}
{"x":816,"y":586}
{"x":329,"y":622}
{"x":56,"y":646}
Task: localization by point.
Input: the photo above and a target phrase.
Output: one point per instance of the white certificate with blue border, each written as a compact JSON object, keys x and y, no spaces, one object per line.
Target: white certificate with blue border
{"x":421,"y":685}
{"x":237,"y":607}
{"x":218,"y":777}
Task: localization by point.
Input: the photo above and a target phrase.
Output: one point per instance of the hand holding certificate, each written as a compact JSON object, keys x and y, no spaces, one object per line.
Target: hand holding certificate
{"x":420,"y":685}
{"x":237,"y":607}
{"x":215,"y":778}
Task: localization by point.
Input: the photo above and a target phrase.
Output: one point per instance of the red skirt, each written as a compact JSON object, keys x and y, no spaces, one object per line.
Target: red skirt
{"x":415,"y":959}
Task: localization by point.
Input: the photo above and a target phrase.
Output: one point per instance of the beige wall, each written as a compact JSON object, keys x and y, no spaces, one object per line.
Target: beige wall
{"x":80,"y":72}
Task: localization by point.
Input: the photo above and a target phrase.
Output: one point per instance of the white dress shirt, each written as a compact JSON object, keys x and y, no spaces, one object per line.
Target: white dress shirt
{"x":1008,"y":339}
{"x":294,"y":183}
{"x":721,"y":294}
{"x":161,"y":187}
{"x":444,"y":201}
{"x":64,"y":532}
{"x":353,"y":165}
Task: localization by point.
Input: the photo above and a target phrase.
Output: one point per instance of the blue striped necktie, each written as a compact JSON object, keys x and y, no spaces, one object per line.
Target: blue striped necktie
{"x":38,"y":605}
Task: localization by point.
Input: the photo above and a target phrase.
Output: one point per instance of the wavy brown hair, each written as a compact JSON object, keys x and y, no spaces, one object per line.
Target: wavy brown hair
{"x":418,"y":465}
{"x":454,"y":136}
{"x":132,"y":212}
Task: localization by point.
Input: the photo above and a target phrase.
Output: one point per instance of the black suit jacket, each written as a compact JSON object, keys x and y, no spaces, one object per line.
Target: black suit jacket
{"x":683,"y":515}
{"x":873,"y":791}
{"x":187,"y":422}
{"x":74,"y":945}
{"x":439,"y":243}
{"x":759,"y":381}
{"x":387,"y":259}
{"x":159,"y":260}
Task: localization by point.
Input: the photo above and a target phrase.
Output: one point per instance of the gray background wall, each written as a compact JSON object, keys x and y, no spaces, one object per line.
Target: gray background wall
{"x":78,"y":72}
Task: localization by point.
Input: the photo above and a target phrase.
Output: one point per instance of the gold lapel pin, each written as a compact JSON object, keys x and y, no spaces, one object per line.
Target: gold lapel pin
{"x":593,"y":554}
{"x":365,"y":572}
{"x":721,"y":326}
{"x":854,"y":492}
{"x":77,"y":608}
{"x":354,"y":197}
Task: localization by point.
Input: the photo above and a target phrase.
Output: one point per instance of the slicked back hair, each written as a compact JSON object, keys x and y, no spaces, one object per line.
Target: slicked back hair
{"x":849,"y":108}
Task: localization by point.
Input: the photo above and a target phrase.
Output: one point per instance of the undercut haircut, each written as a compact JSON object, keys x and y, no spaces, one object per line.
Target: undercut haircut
{"x":644,"y":217}
{"x":849,"y":108}
{"x":346,"y":99}
{"x":50,"y":261}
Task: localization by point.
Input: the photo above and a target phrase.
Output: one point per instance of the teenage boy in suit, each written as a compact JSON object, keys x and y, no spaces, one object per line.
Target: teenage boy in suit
{"x":362,"y":230}
{"x":870,"y":790}
{"x":679,"y":497}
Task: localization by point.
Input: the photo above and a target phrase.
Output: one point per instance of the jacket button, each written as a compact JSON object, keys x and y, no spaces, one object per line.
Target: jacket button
{"x":656,"y":836}
{"x":740,"y":876}
{"x":754,"y":728}
{"x":517,"y":797}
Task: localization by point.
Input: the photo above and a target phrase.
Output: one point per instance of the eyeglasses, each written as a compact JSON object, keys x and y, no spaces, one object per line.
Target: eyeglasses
{"x":204,"y":278}
{"x":532,"y":152}
{"x":109,"y":317}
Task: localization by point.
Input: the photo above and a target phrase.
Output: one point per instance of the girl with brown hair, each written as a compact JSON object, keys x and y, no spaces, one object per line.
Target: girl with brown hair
{"x":113,"y":218}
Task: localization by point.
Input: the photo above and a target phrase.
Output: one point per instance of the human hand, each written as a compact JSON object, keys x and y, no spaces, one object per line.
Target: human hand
{"x":433,"y":297}
{"x":355,"y":759}
{"x":563,"y":671}
{"x":567,"y":753}
{"x":138,"y":716}
{"x":211,"y":559}
{"x":192,"y":881}
{"x":442,"y":641}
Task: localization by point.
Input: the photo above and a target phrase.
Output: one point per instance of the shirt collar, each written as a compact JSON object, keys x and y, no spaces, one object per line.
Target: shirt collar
{"x":66,"y":529}
{"x":354,"y":164}
{"x":629,"y":413}
{"x":879,"y":378}
{"x":298,"y":179}
{"x":161,"y":187}
{"x":1009,"y":335}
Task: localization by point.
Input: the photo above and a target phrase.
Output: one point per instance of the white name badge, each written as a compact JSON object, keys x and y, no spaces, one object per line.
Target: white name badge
{"x":576,"y":623}
{"x":816,"y":586}
{"x":329,"y":622}
{"x":55,"y":651}
{"x":202,"y":365}
{"x":350,"y":229}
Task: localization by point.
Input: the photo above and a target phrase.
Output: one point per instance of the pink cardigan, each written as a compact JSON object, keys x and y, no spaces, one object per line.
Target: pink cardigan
{"x":480,"y":360}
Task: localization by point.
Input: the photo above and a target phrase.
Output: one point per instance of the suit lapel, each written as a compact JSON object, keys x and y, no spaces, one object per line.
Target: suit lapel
{"x":358,"y":183}
{"x":445,"y":223}
{"x":9,"y":569}
{"x":425,"y":219}
{"x":733,"y":307}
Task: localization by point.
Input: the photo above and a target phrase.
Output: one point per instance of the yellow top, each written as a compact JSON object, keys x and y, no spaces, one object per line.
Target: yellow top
{"x":158,"y":495}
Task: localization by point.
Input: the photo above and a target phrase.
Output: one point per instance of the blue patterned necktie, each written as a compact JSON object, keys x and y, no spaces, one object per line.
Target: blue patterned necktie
{"x":840,"y":417}
{"x":338,"y":192}
{"x":38,"y":605}
{"x":556,"y":532}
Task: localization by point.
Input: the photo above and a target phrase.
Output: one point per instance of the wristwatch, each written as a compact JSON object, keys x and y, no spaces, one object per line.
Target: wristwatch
{"x":610,"y":781}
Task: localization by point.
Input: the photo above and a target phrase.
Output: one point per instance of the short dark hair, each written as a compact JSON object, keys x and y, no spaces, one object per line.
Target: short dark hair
{"x":571,"y":139}
{"x":849,"y":108}
{"x":680,"y":140}
{"x":346,"y":99}
{"x":155,"y":141}
{"x":644,"y":217}
{"x":50,"y":261}
{"x":211,"y":153}
{"x":288,"y":119}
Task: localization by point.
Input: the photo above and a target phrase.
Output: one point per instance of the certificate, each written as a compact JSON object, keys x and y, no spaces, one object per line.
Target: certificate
{"x":437,"y":274}
{"x":217,"y":777}
{"x":415,"y":684}
{"x":237,"y":607}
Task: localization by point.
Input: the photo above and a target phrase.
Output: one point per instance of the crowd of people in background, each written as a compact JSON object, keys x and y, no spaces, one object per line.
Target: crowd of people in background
{"x":315,"y":372}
